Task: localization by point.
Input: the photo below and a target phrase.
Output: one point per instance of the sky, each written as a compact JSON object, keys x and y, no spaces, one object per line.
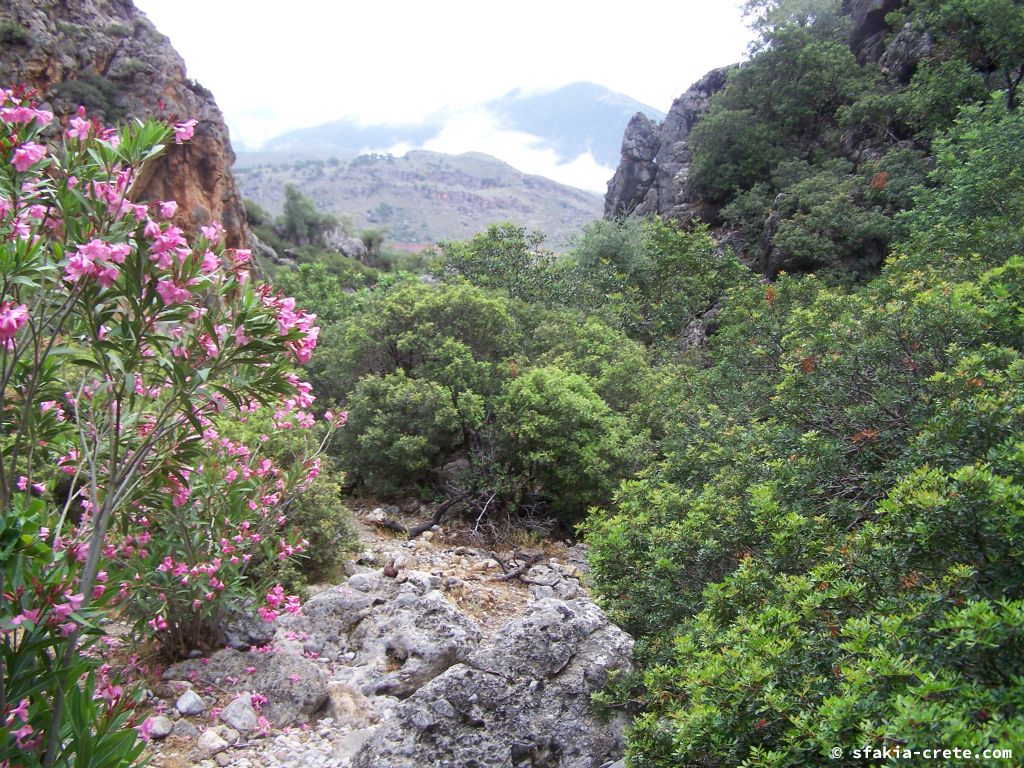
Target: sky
{"x":274,"y":66}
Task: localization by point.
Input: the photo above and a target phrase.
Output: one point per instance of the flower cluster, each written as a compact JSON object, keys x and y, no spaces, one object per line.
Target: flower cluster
{"x":124,"y":346}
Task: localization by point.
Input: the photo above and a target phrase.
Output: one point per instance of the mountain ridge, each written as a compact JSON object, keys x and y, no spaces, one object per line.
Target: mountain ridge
{"x":570,"y":120}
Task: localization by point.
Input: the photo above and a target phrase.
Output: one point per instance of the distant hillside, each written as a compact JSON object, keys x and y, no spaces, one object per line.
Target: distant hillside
{"x":423,"y":197}
{"x":570,"y":120}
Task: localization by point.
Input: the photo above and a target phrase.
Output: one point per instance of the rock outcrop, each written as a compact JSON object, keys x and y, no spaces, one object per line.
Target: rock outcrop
{"x":436,"y":659}
{"x":868,"y":27}
{"x":652,"y":175}
{"x":107,"y":56}
{"x":523,"y":698}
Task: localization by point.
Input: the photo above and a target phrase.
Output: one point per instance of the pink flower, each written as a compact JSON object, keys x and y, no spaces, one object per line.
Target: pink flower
{"x":78,"y":128}
{"x":212,"y":232}
{"x":79,"y":265}
{"x":27,"y":155}
{"x":167,"y":208}
{"x":21,"y":712}
{"x":210,"y":262}
{"x":171,"y":292}
{"x":12,"y":317}
{"x":21,"y":736}
{"x":184,"y":131}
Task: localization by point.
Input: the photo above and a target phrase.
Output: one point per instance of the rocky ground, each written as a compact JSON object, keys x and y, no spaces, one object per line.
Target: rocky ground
{"x":432,"y":653}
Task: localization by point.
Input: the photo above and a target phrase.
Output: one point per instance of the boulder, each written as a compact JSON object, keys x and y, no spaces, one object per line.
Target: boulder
{"x":216,"y":739}
{"x":523,"y":696}
{"x":398,"y":634}
{"x":295,"y":687}
{"x":190,"y":703}
{"x":240,"y":715}
{"x":158,"y":727}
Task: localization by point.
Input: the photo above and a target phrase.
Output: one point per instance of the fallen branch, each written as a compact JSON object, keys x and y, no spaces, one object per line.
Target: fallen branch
{"x":439,"y":513}
{"x":391,"y":525}
{"x":531,"y":560}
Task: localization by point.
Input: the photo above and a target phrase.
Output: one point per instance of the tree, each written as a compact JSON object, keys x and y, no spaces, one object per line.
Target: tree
{"x":988,"y":33}
{"x":300,"y":222}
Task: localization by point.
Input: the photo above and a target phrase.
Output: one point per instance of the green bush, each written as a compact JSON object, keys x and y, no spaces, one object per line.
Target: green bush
{"x":326,"y":525}
{"x":397,"y":430}
{"x":828,"y":551}
{"x":563,"y":439}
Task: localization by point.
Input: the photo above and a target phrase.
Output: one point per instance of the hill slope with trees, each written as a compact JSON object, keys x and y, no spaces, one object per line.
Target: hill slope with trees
{"x":793,"y":441}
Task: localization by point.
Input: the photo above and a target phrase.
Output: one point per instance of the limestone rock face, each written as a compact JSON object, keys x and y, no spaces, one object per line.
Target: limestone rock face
{"x":399,"y":635}
{"x":651,"y":177}
{"x":523,"y":698}
{"x":900,"y":59}
{"x":868,"y":27}
{"x":107,"y":56}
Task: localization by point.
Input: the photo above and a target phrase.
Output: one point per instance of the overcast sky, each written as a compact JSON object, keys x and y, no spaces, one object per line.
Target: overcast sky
{"x":273,"y":66}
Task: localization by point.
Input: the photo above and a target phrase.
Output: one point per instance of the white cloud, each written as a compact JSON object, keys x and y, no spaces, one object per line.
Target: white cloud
{"x":274,"y":66}
{"x":477,"y":130}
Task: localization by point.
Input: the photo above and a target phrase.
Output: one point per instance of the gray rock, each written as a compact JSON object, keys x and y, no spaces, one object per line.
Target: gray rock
{"x":341,"y":241}
{"x":240,"y":715}
{"x":350,"y":743}
{"x":190,"y":703}
{"x":656,"y":158}
{"x":160,"y":727}
{"x":295,"y":687}
{"x":348,"y":706}
{"x":401,"y":632}
{"x":905,"y":51}
{"x":183,"y":729}
{"x":868,"y":27}
{"x":522,"y":696}
{"x":216,"y":739}
{"x":244,"y":632}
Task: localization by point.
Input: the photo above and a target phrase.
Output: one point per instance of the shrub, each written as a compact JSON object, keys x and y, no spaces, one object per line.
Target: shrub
{"x":398,"y":428}
{"x":562,"y":439}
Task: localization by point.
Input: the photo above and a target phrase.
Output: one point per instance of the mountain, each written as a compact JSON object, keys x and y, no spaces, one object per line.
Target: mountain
{"x":570,"y":120}
{"x":573,"y":119}
{"x":423,"y":197}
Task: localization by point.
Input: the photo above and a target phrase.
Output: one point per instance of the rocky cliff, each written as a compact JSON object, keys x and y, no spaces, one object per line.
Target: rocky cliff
{"x":107,"y":56}
{"x":652,"y":175}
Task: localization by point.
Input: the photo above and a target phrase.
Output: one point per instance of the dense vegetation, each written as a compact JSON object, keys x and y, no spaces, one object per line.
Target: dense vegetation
{"x":159,"y":463}
{"x":812,"y":521}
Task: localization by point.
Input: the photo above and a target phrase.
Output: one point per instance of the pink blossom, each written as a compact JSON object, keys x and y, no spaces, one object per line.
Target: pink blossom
{"x":20,"y":711}
{"x":167,"y":208}
{"x":210,"y":263}
{"x":171,"y":292}
{"x":78,"y":266}
{"x":21,"y":736}
{"x":184,"y":130}
{"x":31,"y":616}
{"x":12,"y":317}
{"x":78,"y":128}
{"x":27,"y":155}
{"x":212,"y":232}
